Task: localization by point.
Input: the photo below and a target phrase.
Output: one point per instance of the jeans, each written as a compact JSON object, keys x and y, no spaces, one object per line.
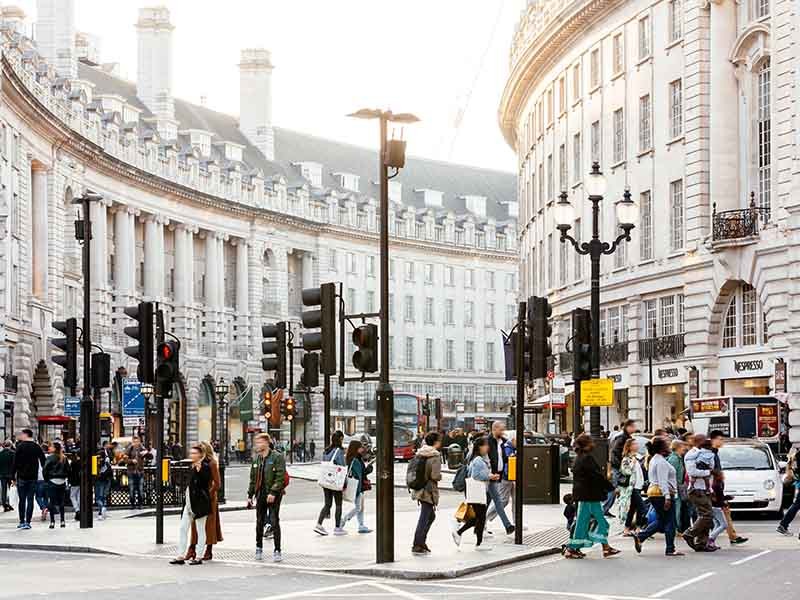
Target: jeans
{"x":720,"y":523}
{"x":478,"y":522}
{"x":330,"y":497}
{"x":26,"y":490}
{"x":185,"y":530}
{"x":55,"y":493}
{"x":612,"y":495}
{"x":636,"y":510}
{"x":665,"y":522}
{"x":705,"y":521}
{"x":101,"y":489}
{"x":75,"y":497}
{"x":357,"y":512}
{"x":41,"y":494}
{"x":269,"y":513}
{"x":427,"y":515}
{"x":135,"y":490}
{"x":499,"y":494}
{"x":4,"y":483}
{"x":792,"y":511}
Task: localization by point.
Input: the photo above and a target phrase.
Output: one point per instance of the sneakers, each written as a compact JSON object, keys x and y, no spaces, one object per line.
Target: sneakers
{"x":339,"y":531}
{"x":738,"y":540}
{"x":418,"y":551}
{"x":364,"y":529}
{"x":782,"y":530}
{"x":484,"y":548}
{"x":21,"y":526}
{"x":27,"y":526}
{"x":320,"y":529}
{"x":456,"y":537}
{"x":52,"y":525}
{"x":637,"y":544}
{"x":276,"y":556}
{"x":259,"y":554}
{"x":510,"y":529}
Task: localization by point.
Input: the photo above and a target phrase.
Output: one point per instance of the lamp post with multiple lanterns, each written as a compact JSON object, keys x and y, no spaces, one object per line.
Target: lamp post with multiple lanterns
{"x":222,"y":390}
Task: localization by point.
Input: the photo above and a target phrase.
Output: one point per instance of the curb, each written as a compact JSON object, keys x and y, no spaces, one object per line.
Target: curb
{"x":58,"y":548}
{"x":171,"y":511}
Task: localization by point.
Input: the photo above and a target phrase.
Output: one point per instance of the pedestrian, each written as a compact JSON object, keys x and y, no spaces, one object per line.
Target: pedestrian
{"x":74,"y":482}
{"x":613,"y":434}
{"x":359,"y":470}
{"x":428,"y":496}
{"x":105,"y":475}
{"x":28,"y":462}
{"x":479,"y":470}
{"x":792,"y":476}
{"x":42,"y":496}
{"x":213,"y":523}
{"x":570,"y":511}
{"x":628,"y":429}
{"x":197,"y":504}
{"x":589,"y":489}
{"x":135,"y":459}
{"x":717,"y":442}
{"x":6,"y":473}
{"x":661,"y":493}
{"x":56,"y":473}
{"x":499,"y":488}
{"x":718,"y":502}
{"x":312,"y":448}
{"x":632,"y":512}
{"x":177,"y":451}
{"x":682,"y":521}
{"x":699,"y":462}
{"x":265,"y":491}
{"x":335,"y":454}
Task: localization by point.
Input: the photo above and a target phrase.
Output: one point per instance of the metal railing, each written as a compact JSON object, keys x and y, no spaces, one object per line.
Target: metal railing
{"x":739,"y":223}
{"x":174,"y":489}
{"x":614,"y":354}
{"x":659,"y":348}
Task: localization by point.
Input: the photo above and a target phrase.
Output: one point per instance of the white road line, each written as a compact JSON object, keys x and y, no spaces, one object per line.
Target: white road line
{"x":512,"y":591}
{"x":683,"y":584}
{"x":536,"y":562}
{"x":749,"y":558}
{"x":395,"y":591}
{"x":321,"y":590}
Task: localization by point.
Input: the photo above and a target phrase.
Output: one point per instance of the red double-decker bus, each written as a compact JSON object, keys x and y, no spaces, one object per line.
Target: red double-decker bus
{"x":409,"y":420}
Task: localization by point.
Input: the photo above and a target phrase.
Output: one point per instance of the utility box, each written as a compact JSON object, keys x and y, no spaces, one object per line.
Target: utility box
{"x":541,"y":483}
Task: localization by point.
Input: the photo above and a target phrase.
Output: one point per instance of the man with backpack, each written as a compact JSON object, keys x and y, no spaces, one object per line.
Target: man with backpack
{"x":267,"y":482}
{"x":423,"y":476}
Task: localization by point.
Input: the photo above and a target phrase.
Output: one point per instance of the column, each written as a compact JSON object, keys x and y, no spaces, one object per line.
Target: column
{"x":213,"y":282}
{"x":154,"y":257}
{"x":184,"y":280}
{"x":124,"y":253}
{"x":99,"y":265}
{"x":242,"y":294}
{"x":308,"y":270}
{"x":39,"y":250}
{"x":220,"y":239}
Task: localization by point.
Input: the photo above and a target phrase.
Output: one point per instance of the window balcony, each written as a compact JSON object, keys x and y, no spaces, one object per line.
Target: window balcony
{"x":739,"y":224}
{"x":662,"y":348}
{"x":613,"y":354}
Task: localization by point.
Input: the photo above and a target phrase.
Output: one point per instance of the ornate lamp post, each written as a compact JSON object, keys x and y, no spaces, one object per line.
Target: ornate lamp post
{"x":627,"y":213}
{"x":222,"y":389}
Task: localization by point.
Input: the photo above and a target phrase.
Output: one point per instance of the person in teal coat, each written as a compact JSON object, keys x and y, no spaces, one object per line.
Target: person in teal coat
{"x":357,"y":469}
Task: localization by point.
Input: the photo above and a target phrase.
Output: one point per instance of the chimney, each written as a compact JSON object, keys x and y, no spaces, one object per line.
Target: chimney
{"x":154,"y":77}
{"x":255,"y":99}
{"x":55,"y":35}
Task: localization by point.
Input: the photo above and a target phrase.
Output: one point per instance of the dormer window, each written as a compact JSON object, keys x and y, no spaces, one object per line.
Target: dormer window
{"x":233,"y":152}
{"x":312,"y":172}
{"x":348,"y":181}
{"x":431,"y":198}
{"x":202,"y":141}
{"x":476,"y":205}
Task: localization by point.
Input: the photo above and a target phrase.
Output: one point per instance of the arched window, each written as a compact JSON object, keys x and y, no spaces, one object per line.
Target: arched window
{"x":744,"y":324}
{"x":764,"y":135}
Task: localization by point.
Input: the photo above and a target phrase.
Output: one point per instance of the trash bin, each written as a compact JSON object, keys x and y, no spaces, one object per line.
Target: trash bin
{"x":455,"y":456}
{"x":541,"y":483}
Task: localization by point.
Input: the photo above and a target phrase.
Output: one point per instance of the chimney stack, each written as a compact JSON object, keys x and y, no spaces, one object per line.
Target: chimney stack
{"x":55,"y":35}
{"x":154,"y":77}
{"x":255,"y":99}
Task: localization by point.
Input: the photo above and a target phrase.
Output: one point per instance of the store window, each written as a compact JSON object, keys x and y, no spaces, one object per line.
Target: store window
{"x":744,"y":323}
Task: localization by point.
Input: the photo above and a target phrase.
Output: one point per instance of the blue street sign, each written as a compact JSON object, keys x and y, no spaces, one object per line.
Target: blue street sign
{"x":132,"y":399}
{"x":72,"y":406}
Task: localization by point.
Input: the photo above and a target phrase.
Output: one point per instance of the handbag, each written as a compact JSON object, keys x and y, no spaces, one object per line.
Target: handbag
{"x":13,"y":496}
{"x":332,"y":476}
{"x":476,"y":491}
{"x":464,"y":512}
{"x":351,"y":487}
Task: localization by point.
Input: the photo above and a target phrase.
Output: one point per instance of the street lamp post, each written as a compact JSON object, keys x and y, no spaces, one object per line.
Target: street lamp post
{"x":222,"y":390}
{"x":392,"y":154}
{"x":627,"y":212}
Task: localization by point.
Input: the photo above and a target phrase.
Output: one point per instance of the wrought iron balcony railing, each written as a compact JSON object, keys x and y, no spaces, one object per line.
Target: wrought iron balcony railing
{"x":740,"y":223}
{"x":660,"y":348}
{"x":614,"y":354}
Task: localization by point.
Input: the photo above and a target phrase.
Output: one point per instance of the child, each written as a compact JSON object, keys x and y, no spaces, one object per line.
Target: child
{"x":718,"y":501}
{"x":705,"y":460}
{"x":570,"y":511}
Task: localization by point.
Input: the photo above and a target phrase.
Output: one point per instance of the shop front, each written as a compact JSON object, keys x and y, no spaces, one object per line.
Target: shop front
{"x":666,"y":399}
{"x":747,"y":375}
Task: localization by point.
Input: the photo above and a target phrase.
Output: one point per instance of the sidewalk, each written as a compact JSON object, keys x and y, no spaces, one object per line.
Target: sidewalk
{"x":305,"y":550}
{"x":310,"y":472}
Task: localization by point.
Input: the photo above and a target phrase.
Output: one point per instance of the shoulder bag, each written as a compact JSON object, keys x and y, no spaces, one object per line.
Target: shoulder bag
{"x":332,"y":476}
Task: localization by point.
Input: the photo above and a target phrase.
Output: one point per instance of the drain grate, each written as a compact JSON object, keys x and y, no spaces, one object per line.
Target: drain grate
{"x":553,"y":537}
{"x":289,"y":558}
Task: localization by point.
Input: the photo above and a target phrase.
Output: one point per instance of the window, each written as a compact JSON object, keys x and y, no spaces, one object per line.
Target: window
{"x":428,"y":353}
{"x":409,"y":353}
{"x":594,"y":68}
{"x":667,"y":315}
{"x":449,"y":316}
{"x":351,"y":299}
{"x":761,"y":8}
{"x":646,"y":226}
{"x":741,"y":324}
{"x":449,"y":353}
{"x":578,"y":257}
{"x":749,"y":316}
{"x":621,"y":255}
{"x":391,"y":269}
{"x":449,"y":276}
{"x":469,"y":278}
{"x":490,"y":357}
{"x":391,"y":351}
{"x":675,"y":20}
{"x":681,"y":314}
{"x":409,"y":309}
{"x":391,"y":307}
{"x":645,"y":124}
{"x":619,"y":136}
{"x":511,"y":282}
{"x":676,"y":215}
{"x":595,"y":142}
{"x":550,"y":274}
{"x":576,"y":83}
{"x":370,"y":301}
{"x":676,"y":108}
{"x":618,"y":54}
{"x":577,"y":167}
{"x":650,"y":319}
{"x":429,"y":306}
{"x":562,"y":167}
{"x":351,"y":263}
{"x":409,"y":271}
{"x":371,"y":266}
{"x":511,"y":316}
{"x":729,"y":338}
{"x":469,"y":356}
{"x":644,"y":38}
{"x":332,"y":260}
{"x":541,"y":185}
{"x":469,"y":313}
{"x":490,"y":280}
{"x":562,"y":96}
{"x":764,"y":125}
{"x":429,"y":273}
{"x":563,"y":263}
{"x":550,"y":178}
{"x":490,"y":315}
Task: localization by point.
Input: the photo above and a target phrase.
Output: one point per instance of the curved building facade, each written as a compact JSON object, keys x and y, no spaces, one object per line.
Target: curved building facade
{"x":692,"y":105}
{"x":223,"y":220}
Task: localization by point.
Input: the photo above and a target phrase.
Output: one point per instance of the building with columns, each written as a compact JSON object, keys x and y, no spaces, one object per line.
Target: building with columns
{"x":223,"y":220}
{"x":692,"y":105}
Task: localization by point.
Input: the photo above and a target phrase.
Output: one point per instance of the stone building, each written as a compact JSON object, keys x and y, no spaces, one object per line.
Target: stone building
{"x":223,"y":220}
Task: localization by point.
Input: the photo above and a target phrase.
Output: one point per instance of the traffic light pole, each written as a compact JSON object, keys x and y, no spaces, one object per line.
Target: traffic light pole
{"x":159,"y":482}
{"x":87,"y":425}
{"x":326,"y":410}
{"x":519,"y":418}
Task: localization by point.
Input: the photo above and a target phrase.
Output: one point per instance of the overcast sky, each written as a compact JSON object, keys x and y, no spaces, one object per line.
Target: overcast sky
{"x":434,"y":58}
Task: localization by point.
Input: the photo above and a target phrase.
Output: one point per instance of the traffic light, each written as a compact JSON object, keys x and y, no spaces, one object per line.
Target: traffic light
{"x":365,"y":337}
{"x":168,"y":369}
{"x":101,"y":370}
{"x":290,"y":409}
{"x":142,"y":332}
{"x":310,"y":375}
{"x":69,"y":344}
{"x":323,"y":318}
{"x":274,"y":351}
{"x":581,"y":344}
{"x":539,"y":332}
{"x":267,"y":404}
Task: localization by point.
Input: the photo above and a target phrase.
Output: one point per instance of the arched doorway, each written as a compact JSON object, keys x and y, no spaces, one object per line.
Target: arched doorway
{"x":206,"y":413}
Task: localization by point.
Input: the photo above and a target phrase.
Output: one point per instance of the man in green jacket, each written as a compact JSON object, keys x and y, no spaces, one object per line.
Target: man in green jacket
{"x":267,"y":474}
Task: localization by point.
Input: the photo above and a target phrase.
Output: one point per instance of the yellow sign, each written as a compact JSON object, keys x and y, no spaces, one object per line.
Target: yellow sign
{"x":94,"y":465}
{"x":165,"y":470}
{"x":512,"y":468}
{"x":597,"y":392}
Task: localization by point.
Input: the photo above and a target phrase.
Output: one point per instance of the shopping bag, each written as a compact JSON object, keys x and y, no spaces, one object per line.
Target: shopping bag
{"x":476,"y":491}
{"x":332,"y":476}
{"x":464,"y":512}
{"x":13,"y":496}
{"x":351,"y":488}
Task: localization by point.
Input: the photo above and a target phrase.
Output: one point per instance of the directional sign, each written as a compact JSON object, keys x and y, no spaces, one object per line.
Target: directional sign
{"x":132,"y":398}
{"x":597,"y":392}
{"x":72,"y":406}
{"x":557,"y":389}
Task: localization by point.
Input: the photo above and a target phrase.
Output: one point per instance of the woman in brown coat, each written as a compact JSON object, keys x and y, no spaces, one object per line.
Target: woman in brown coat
{"x":213,"y":525}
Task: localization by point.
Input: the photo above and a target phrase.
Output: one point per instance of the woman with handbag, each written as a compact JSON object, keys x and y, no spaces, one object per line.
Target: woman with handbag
{"x":332,"y":454}
{"x":56,"y":474}
{"x":479,"y":473}
{"x":631,"y":483}
{"x":213,"y":525}
{"x":357,"y":473}
{"x":196,"y":507}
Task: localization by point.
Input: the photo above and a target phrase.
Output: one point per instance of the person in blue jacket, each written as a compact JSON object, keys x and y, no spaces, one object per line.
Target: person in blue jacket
{"x":359,"y":470}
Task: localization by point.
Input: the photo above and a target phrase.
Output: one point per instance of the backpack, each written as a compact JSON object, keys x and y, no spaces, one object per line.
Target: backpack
{"x":286,"y":479}
{"x":460,"y":479}
{"x":416,"y":478}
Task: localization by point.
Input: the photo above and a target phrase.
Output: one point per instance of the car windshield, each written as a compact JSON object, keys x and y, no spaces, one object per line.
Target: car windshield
{"x":746,"y":458}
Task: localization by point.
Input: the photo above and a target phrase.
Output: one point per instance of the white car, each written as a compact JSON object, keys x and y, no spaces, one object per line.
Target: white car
{"x":752,"y":476}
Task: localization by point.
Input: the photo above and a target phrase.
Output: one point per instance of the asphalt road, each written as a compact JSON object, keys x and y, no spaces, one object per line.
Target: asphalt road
{"x":766,"y":567}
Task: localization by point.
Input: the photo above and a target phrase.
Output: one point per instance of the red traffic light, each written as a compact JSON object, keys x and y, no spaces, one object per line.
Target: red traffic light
{"x":165,"y":351}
